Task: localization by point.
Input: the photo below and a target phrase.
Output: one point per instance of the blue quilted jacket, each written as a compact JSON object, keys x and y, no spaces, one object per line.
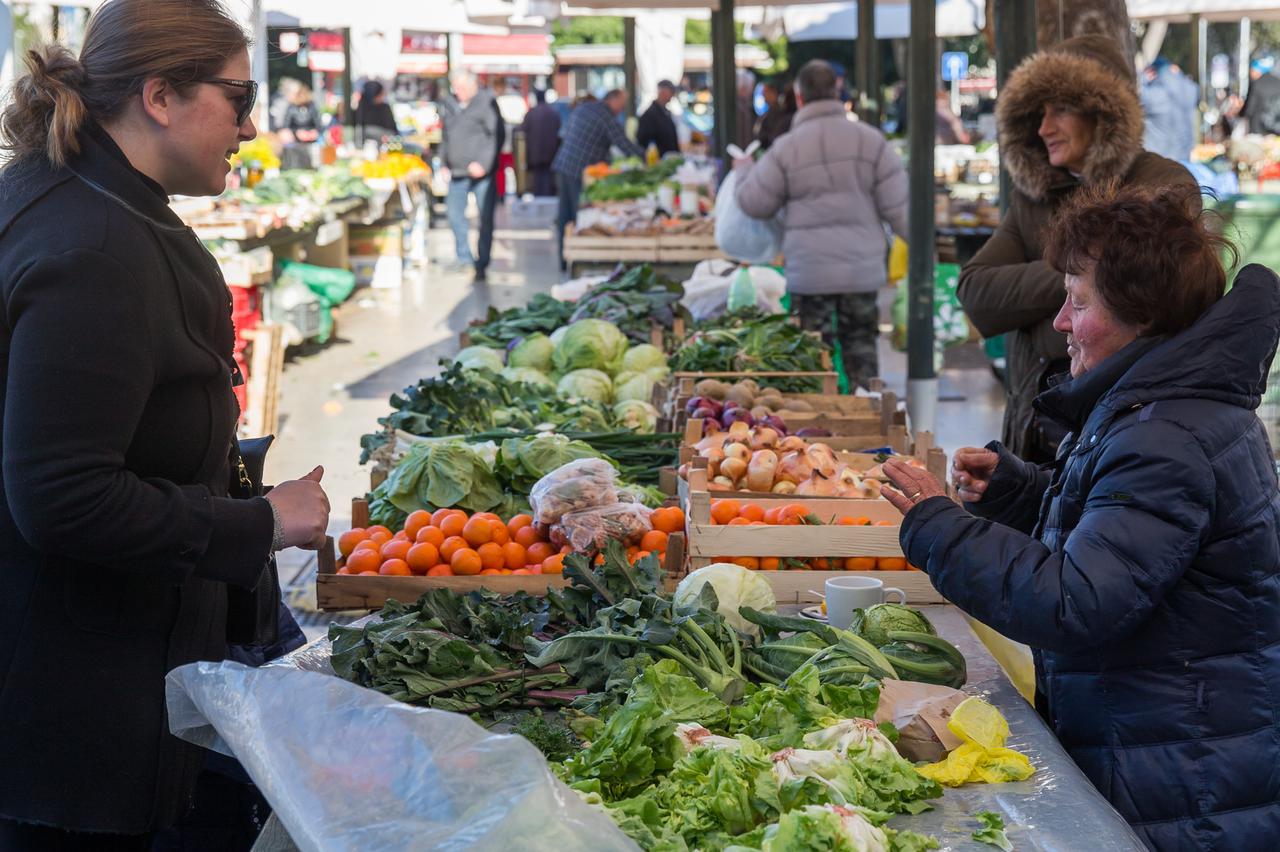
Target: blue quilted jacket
{"x":1143,"y":568}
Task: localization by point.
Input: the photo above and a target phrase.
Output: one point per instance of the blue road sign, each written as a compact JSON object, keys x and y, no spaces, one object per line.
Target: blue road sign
{"x":955,"y":66}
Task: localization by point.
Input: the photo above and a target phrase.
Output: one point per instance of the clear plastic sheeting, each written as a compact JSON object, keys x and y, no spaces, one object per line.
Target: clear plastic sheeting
{"x":1055,"y":810}
{"x":347,"y":768}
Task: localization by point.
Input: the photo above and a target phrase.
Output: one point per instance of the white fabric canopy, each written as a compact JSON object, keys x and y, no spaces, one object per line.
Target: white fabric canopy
{"x":1214,"y":10}
{"x":659,"y":52}
{"x":893,"y":19}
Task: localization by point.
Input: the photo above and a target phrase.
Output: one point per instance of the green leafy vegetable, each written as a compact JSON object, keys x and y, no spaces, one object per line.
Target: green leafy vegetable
{"x":874,"y":623}
{"x":533,"y":351}
{"x":543,"y":314}
{"x":590,"y":344}
{"x":586,"y":383}
{"x":751,"y":341}
{"x":992,"y":831}
{"x":553,"y":739}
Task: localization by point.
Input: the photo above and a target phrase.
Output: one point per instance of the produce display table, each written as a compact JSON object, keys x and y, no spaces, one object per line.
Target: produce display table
{"x":346,"y":768}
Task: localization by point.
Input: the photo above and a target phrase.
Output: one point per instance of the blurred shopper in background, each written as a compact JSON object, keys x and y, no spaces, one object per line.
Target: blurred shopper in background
{"x":469,"y":151}
{"x":657,"y":127}
{"x":593,"y":129}
{"x":300,"y":128}
{"x":1068,"y":117}
{"x":374,"y":120}
{"x":949,"y":130}
{"x":541,"y":128}
{"x":1169,"y":102}
{"x":780,"y":98}
{"x":745,"y":120}
{"x":1261,"y":110}
{"x":839,"y":183}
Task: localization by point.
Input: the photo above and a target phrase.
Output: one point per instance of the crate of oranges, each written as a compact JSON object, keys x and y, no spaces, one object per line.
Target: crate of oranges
{"x":797,"y":544}
{"x":452,"y":549}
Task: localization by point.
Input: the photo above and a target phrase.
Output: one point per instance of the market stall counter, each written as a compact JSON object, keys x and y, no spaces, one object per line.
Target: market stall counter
{"x":347,"y":768}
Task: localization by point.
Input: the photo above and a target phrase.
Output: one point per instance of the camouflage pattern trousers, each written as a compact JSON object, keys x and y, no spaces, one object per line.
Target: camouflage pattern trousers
{"x":850,"y":319}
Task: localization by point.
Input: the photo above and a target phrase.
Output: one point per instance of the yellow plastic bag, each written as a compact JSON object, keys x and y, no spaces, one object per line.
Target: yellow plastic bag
{"x":897,"y":260}
{"x":982,"y":758}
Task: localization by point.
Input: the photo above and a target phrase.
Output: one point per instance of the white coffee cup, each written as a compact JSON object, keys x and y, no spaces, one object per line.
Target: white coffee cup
{"x":845,"y":594}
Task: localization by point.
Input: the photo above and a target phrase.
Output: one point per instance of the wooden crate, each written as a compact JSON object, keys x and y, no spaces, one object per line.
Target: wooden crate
{"x":707,"y":542}
{"x":839,"y":414}
{"x":336,"y":591}
{"x":688,"y":248}
{"x":608,"y":248}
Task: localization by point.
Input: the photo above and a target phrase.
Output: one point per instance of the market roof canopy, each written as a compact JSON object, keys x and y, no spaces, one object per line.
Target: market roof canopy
{"x":821,"y":21}
{"x":1213,"y":10}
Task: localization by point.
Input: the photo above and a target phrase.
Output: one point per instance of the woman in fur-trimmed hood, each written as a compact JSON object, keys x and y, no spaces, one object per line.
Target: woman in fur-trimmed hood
{"x":1067,"y":117}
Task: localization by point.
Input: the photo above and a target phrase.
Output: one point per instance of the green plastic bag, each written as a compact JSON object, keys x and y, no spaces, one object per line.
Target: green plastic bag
{"x":950,"y":325}
{"x":331,"y":286}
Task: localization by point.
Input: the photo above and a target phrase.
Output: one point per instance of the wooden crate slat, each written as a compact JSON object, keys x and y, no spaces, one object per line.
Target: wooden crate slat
{"x":709,"y":541}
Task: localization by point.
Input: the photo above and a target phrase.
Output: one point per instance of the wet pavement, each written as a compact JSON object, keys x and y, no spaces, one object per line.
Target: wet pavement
{"x":386,"y":339}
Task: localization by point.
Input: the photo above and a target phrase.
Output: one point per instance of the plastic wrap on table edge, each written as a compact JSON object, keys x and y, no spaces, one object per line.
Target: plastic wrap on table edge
{"x":347,"y":768}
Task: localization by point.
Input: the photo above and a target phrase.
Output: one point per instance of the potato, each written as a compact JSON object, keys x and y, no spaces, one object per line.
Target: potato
{"x":796,"y":405}
{"x":711,"y":388}
{"x":740,"y":395}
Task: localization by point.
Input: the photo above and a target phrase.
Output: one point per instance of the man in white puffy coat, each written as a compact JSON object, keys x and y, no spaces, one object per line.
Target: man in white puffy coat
{"x":839,"y":183}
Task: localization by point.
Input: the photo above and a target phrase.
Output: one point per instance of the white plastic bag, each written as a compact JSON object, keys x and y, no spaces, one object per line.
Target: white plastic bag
{"x":573,"y":487}
{"x":706,"y":293}
{"x":740,"y":236}
{"x":347,"y":769}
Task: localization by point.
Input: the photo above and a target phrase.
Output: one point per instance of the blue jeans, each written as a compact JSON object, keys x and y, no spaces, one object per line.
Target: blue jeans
{"x":568,"y":188}
{"x":456,"y":203}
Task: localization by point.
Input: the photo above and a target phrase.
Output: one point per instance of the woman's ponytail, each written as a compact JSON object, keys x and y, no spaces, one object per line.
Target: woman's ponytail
{"x":47,"y":110}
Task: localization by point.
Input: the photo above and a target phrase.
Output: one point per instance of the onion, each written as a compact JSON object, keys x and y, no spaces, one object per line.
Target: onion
{"x":740,"y":430}
{"x":738,"y":451}
{"x":760,"y":471}
{"x":813,"y":432}
{"x":733,"y":468}
{"x":794,"y":467}
{"x":792,"y":443}
{"x":736,"y":415}
{"x":774,"y":422}
{"x":782,"y":486}
{"x":704,"y":414}
{"x":817,"y":485}
{"x":763,"y":438}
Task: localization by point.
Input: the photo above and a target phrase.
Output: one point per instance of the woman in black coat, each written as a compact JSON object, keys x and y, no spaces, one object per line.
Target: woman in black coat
{"x":1143,"y":566}
{"x":118,"y":540}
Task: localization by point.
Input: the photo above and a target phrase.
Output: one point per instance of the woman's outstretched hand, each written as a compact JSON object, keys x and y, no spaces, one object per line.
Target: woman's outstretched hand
{"x":971,"y":472}
{"x":912,"y":485}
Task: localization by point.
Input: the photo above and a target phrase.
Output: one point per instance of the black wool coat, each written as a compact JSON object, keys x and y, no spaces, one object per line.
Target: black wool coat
{"x":117,"y":539}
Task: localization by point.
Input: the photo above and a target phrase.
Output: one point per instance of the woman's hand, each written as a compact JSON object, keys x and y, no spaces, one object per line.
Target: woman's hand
{"x":913,"y":485}
{"x":971,"y":472}
{"x":303,"y":509}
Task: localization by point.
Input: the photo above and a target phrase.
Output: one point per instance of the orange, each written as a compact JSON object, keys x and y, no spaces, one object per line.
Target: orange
{"x":396,"y":549}
{"x":752,"y":512}
{"x":891,"y":563}
{"x":416,"y":521}
{"x":422,"y":557}
{"x":739,"y":522}
{"x":599,"y":560}
{"x":860,"y":563}
{"x":490,"y":571}
{"x":539,"y":551}
{"x":669,"y":519}
{"x":553,"y":564}
{"x":395,"y":568}
{"x":748,"y":562}
{"x":499,"y":534}
{"x":348,"y":540}
{"x":378,"y":528}
{"x":527,"y":535}
{"x":342,"y":570}
{"x":430,"y":535}
{"x":441,"y":570}
{"x":491,"y":556}
{"x":724,"y":511}
{"x":654,"y":540}
{"x":477,"y":531}
{"x":369,"y":573}
{"x":517,"y":523}
{"x":438,"y":516}
{"x":453,"y":525}
{"x":854,"y":522}
{"x":514,"y":555}
{"x":363,"y":559}
{"x":367,"y":544}
{"x":822,"y":563}
{"x":452,"y":545}
{"x":535,"y":569}
{"x":757,"y":524}
{"x":401,"y":536}
{"x":631,"y":553}
{"x":886,"y":523}
{"x":522,"y":571}
{"x":791,"y":514}
{"x":770,"y":563}
{"x":487,"y":516}
{"x":466,"y":562}
{"x":771,"y":516}
{"x":380,"y":538}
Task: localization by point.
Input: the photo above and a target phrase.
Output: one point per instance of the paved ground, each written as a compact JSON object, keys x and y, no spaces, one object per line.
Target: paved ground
{"x":388,"y":339}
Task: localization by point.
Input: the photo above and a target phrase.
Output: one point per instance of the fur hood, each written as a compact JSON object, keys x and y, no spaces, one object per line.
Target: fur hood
{"x":1089,"y":74}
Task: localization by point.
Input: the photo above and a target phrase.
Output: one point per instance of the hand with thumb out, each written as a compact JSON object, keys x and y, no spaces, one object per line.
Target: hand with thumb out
{"x":303,"y":509}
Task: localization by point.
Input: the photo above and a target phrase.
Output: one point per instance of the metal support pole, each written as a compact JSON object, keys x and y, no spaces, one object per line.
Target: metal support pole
{"x":724,"y":87}
{"x":868,"y":71}
{"x":922,"y":62}
{"x":1196,"y":71}
{"x":629,"y":63}
{"x":347,"y":81}
{"x":1015,"y":23}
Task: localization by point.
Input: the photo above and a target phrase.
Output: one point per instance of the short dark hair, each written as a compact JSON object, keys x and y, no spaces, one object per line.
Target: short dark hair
{"x":613,"y":93}
{"x":816,"y":81}
{"x":666,"y":84}
{"x":1155,"y":262}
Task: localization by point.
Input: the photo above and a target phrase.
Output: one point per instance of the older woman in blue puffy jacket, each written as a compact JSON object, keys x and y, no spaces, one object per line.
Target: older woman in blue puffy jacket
{"x":1143,"y":566}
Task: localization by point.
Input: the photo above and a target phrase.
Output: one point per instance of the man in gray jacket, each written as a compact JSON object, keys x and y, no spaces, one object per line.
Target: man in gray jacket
{"x":839,"y":183}
{"x":469,"y":148}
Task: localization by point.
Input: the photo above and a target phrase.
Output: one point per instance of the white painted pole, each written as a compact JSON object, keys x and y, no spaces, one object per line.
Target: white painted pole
{"x":6,"y":47}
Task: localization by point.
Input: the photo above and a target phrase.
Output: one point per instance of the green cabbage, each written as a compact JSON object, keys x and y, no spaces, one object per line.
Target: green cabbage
{"x":528,"y":375}
{"x":636,"y":414}
{"x":874,"y":623}
{"x":590,"y":344}
{"x":476,"y":357}
{"x":638,"y":387}
{"x":642,"y":357}
{"x":558,"y":335}
{"x":533,"y":351}
{"x":735,"y":587}
{"x":586,"y":384}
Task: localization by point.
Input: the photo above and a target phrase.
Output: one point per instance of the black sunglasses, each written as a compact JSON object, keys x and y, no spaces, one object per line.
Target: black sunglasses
{"x":249,"y":98}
